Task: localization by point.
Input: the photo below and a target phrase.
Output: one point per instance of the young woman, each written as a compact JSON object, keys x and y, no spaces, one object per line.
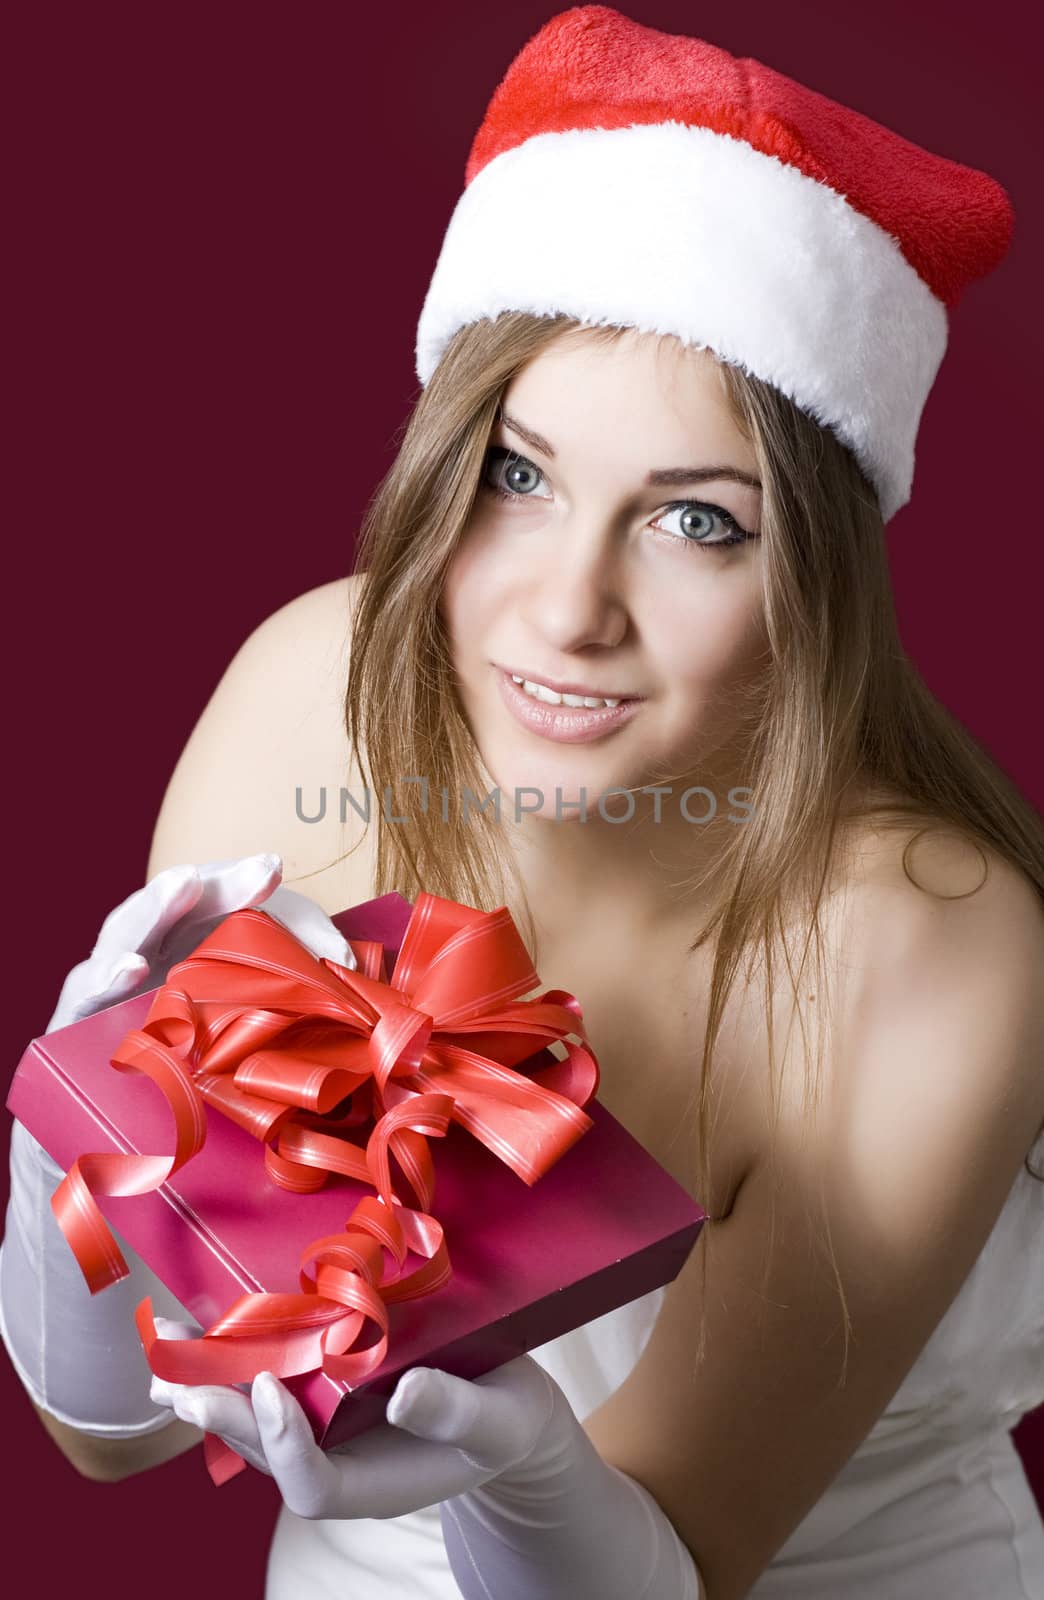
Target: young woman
{"x":662,"y":426}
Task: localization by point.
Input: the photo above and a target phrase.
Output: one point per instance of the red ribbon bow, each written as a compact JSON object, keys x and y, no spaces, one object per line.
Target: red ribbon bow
{"x":254,"y":1024}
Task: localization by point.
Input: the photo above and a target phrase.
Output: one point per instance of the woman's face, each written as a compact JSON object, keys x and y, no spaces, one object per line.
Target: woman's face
{"x":596,"y":576}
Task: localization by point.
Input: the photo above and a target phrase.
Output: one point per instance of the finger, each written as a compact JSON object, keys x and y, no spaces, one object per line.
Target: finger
{"x":308,"y":1479}
{"x":232,"y":885}
{"x":174,"y":1328}
{"x":144,"y":918}
{"x":162,"y":1392}
{"x":124,"y":979}
{"x":87,"y":989}
{"x":226,"y":1412}
{"x":227,"y":886}
{"x":381,"y":1473}
{"x":309,"y":924}
{"x":128,"y":972}
{"x":495,"y":1420}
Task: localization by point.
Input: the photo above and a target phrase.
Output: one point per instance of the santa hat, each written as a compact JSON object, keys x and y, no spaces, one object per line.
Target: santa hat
{"x":627,"y":176}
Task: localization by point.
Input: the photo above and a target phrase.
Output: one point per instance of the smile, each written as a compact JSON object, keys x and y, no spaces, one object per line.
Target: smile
{"x":553,"y":717}
{"x":540,"y":691}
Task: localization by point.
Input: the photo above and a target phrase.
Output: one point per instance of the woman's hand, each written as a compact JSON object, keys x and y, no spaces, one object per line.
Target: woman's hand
{"x":98,"y":1382}
{"x":443,"y":1436}
{"x":528,"y":1507}
{"x":160,"y":924}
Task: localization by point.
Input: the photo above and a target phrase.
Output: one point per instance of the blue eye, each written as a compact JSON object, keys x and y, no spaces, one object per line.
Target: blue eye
{"x":520,"y":472}
{"x":704,"y":517}
{"x":524,"y":474}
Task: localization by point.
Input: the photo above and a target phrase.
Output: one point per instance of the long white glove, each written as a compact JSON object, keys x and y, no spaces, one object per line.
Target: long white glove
{"x":159,"y":925}
{"x":79,"y":1355}
{"x":529,"y":1509}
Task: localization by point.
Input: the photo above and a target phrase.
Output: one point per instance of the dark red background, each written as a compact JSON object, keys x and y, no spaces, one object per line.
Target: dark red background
{"x":222,"y":223}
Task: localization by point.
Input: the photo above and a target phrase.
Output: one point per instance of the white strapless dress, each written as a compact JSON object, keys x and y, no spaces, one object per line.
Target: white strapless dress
{"x":933,"y":1505}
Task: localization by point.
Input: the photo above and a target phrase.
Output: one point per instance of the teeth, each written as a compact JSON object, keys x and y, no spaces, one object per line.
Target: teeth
{"x":539,"y":692}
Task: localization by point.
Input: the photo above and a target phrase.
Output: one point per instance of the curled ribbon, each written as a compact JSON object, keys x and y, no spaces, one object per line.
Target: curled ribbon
{"x":298,"y":1051}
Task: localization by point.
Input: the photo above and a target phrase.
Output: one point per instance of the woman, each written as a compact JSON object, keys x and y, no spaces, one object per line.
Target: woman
{"x":658,"y":477}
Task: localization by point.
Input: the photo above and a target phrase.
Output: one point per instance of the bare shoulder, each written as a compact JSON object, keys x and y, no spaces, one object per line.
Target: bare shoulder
{"x":268,"y":765}
{"x":915,"y":861}
{"x":939,"y":937}
{"x":932,"y":1092}
{"x":933,"y":950}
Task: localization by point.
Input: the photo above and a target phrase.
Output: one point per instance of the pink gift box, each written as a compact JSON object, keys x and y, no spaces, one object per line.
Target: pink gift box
{"x":605,"y":1225}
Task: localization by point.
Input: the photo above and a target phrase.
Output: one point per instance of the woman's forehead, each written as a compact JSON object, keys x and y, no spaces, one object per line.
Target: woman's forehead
{"x":647,"y":392}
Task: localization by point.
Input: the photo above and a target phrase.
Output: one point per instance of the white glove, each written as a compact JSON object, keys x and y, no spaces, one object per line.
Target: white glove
{"x":159,"y":925}
{"x":528,"y":1506}
{"x":79,"y":1355}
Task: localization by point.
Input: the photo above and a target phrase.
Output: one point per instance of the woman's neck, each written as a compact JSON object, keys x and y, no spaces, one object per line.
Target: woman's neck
{"x":644,"y":875}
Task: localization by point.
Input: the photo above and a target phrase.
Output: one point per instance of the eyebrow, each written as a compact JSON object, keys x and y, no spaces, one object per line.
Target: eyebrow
{"x":659,"y":476}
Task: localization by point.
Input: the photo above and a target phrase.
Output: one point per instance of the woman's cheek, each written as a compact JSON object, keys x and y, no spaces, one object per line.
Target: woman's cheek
{"x":453,"y":598}
{"x":711,"y":663}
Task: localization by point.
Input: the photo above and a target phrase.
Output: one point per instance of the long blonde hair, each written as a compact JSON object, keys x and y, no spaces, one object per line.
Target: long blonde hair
{"x":845,"y":725}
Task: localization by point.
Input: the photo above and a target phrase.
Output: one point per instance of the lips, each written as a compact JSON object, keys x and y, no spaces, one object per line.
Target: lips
{"x":560,"y":723}
{"x":567,"y":688}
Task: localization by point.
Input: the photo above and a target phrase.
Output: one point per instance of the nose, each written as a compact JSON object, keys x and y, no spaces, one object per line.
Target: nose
{"x":578,"y":597}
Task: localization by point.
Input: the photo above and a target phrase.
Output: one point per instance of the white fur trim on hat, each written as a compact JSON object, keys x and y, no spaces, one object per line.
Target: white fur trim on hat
{"x":673,"y":229}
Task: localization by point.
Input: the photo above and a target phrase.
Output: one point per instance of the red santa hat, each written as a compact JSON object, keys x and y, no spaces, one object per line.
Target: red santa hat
{"x":622,"y":175}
